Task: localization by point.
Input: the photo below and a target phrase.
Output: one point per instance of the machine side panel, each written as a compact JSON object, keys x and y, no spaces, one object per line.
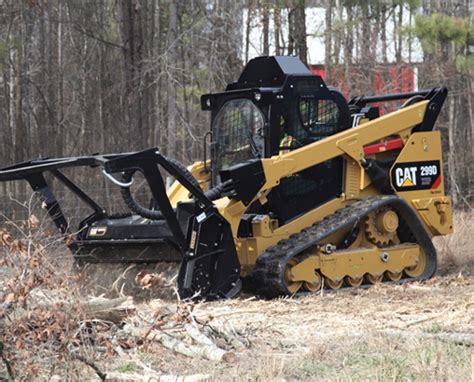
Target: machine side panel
{"x":417,"y":177}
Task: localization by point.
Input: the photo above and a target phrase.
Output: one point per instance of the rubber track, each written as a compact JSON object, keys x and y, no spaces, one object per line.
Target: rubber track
{"x":268,"y":273}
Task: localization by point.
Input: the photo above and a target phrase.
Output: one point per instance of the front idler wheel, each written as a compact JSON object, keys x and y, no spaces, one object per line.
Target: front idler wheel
{"x":418,"y":269}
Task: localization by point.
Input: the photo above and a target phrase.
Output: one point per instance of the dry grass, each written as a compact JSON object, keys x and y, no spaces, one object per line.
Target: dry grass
{"x":383,"y":333}
{"x":357,"y":335}
{"x":456,"y":251}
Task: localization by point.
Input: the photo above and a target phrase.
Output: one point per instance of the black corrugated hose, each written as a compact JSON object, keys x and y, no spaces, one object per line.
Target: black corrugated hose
{"x":212,"y":194}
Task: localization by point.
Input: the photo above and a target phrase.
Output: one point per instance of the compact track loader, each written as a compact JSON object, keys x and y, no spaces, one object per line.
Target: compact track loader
{"x":303,"y":190}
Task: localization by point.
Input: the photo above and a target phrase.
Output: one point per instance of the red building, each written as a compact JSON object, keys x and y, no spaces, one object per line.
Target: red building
{"x":385,"y":79}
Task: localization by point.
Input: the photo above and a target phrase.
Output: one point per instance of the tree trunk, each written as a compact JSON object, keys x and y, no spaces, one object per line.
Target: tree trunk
{"x":248,"y":27}
{"x":266,"y":28}
{"x":24,"y":105}
{"x":383,"y":34}
{"x":171,"y":69}
{"x":366,"y":36}
{"x":132,"y":37}
{"x":300,"y":31}
{"x":277,"y":28}
{"x":338,"y":34}
{"x":398,"y":40}
{"x":452,"y":150}
{"x":348,"y":50}
{"x":291,"y":31}
{"x":328,"y":41}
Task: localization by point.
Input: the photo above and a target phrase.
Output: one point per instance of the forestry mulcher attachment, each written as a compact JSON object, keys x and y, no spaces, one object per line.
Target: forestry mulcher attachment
{"x":303,"y":190}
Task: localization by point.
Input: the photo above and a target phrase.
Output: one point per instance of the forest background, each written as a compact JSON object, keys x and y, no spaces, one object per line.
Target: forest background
{"x":80,"y":77}
{"x":83,"y":77}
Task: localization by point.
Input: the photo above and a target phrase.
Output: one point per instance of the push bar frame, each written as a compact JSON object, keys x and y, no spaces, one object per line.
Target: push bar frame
{"x":33,"y":172}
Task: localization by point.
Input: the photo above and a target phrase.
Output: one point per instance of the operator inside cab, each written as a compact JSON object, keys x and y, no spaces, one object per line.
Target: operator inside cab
{"x":287,"y":141}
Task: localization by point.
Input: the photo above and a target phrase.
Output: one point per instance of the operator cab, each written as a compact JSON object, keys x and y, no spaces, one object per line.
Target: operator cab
{"x":277,"y":97}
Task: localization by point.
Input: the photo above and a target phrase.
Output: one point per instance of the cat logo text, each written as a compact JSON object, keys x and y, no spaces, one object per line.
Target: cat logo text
{"x":412,"y":176}
{"x":406,"y":177}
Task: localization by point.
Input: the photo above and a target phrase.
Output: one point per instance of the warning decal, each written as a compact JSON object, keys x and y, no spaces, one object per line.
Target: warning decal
{"x":410,"y":176}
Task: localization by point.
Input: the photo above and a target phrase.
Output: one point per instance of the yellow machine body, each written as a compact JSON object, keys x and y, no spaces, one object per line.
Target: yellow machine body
{"x":376,"y":253}
{"x":364,"y":257}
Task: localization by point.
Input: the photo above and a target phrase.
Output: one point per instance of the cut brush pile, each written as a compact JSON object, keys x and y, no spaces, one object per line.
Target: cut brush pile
{"x":50,"y":330}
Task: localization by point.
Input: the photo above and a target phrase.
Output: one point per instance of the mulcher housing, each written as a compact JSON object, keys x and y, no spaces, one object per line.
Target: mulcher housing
{"x":355,"y":199}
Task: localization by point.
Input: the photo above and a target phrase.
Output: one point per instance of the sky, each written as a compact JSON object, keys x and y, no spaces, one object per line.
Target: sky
{"x":315,"y":29}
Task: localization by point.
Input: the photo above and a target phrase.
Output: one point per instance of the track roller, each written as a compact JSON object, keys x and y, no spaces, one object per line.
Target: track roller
{"x":333,"y":284}
{"x":353,"y":282}
{"x":371,"y":279}
{"x":314,"y":286}
{"x":393,"y":276}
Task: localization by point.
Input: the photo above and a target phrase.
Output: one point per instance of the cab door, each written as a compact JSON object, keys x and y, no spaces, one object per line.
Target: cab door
{"x":307,"y":120}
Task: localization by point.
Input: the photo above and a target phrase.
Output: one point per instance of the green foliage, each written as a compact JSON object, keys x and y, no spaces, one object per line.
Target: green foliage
{"x":413,"y":4}
{"x":127,"y":368}
{"x":464,"y":63}
{"x":437,"y":31}
{"x":439,"y":28}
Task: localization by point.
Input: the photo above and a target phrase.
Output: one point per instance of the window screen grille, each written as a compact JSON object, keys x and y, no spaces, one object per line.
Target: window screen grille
{"x":237,"y":126}
{"x":309,"y":120}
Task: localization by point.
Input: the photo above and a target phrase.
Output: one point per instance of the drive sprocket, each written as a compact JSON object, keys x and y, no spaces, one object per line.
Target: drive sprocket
{"x":381,"y":226}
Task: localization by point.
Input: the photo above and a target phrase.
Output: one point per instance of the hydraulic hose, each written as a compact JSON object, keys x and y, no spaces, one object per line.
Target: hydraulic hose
{"x":146,"y":212}
{"x":213,"y":194}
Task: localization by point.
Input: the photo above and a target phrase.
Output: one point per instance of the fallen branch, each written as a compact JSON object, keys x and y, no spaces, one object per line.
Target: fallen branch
{"x":212,"y":353}
{"x":466,"y":339}
{"x":112,"y":310}
{"x":91,"y":364}
{"x":122,"y":377}
{"x":6,"y":363}
{"x":230,"y":339}
{"x":197,"y":335}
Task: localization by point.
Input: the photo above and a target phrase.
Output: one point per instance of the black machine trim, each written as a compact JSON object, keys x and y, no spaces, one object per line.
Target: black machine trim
{"x":435,"y":96}
{"x":247,"y":179}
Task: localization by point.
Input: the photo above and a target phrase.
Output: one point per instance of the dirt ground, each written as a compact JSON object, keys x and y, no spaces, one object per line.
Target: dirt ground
{"x":382,"y":333}
{"x":420,"y":331}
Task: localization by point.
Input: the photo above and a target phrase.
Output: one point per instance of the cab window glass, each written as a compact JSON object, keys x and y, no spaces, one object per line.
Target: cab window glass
{"x":237,"y":130}
{"x":319,"y":117}
{"x":309,"y":120}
